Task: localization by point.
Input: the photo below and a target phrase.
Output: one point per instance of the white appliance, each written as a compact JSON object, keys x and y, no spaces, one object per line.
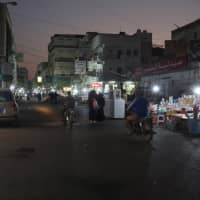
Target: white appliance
{"x":119,"y":108}
{"x":115,"y":106}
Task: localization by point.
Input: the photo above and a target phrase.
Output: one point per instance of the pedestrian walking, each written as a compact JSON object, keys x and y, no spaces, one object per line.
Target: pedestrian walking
{"x":93,"y":106}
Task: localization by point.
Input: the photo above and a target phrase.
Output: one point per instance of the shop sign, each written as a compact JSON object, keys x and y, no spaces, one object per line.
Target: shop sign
{"x":67,"y":89}
{"x":96,"y":85}
{"x":168,"y":66}
{"x":80,"y":67}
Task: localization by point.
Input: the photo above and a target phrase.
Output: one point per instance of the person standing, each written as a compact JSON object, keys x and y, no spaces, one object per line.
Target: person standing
{"x":39,"y":96}
{"x":101,"y":104}
{"x":93,"y":106}
{"x":55,"y":97}
{"x":69,"y":104}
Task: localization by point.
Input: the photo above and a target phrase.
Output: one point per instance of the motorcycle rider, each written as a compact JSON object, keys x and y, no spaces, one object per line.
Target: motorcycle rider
{"x":137,"y":109}
{"x":69,"y":103}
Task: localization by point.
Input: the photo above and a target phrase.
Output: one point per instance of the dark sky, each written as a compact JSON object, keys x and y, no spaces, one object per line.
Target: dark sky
{"x":35,"y":21}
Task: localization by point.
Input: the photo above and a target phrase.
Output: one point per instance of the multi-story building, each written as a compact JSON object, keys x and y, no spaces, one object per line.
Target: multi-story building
{"x":187,"y":32}
{"x":111,"y":58}
{"x":62,"y":51}
{"x":185,"y":41}
{"x":120,"y":53}
{"x":7,"y":48}
{"x":178,"y":72}
{"x":98,"y":57}
{"x":22,"y":77}
{"x":84,"y":50}
{"x":44,"y":72}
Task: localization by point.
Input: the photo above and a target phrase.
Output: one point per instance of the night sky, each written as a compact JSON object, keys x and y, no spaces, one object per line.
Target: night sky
{"x":35,"y":21}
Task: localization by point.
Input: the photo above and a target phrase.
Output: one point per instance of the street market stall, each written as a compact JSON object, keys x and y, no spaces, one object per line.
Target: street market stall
{"x":180,"y":114}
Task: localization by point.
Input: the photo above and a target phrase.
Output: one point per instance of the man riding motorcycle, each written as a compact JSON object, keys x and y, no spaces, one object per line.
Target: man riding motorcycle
{"x":69,"y":103}
{"x":137,"y":110}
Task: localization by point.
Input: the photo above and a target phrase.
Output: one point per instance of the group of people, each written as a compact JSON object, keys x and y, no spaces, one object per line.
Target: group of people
{"x":96,"y":102}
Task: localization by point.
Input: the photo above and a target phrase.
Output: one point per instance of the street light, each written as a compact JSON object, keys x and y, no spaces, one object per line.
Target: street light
{"x":196,"y":90}
{"x":12,"y":87}
{"x":155,"y":89}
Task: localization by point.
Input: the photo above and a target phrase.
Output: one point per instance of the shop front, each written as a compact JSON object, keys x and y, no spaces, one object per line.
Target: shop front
{"x":180,"y":114}
{"x":126,"y":87}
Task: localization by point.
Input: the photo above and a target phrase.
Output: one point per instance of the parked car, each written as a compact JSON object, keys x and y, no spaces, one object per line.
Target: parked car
{"x":9,"y":109}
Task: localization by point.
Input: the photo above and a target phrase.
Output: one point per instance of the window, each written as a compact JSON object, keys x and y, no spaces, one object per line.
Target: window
{"x":135,"y":52}
{"x":128,"y":52}
{"x":195,"y":35}
{"x":119,"y":54}
{"x":119,"y":70}
{"x":110,"y":53}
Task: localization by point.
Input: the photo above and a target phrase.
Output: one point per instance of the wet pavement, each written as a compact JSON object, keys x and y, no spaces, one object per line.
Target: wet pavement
{"x":42,"y":159}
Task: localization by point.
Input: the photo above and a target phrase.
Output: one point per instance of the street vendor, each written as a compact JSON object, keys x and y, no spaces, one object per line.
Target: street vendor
{"x":184,"y":111}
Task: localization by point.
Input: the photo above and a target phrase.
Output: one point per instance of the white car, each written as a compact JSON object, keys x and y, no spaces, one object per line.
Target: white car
{"x":8,"y":107}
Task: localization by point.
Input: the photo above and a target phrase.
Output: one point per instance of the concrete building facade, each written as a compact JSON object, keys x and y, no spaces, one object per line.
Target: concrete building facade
{"x":62,"y":54}
{"x":43,"y":70}
{"x":8,"y":64}
{"x":120,"y":53}
{"x":172,"y":83}
{"x":181,"y":68}
{"x":187,"y":32}
{"x":184,"y":41}
{"x":22,"y":77}
{"x":98,"y":57}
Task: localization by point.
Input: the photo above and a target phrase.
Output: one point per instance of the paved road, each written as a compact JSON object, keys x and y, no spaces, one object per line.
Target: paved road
{"x":41,"y":159}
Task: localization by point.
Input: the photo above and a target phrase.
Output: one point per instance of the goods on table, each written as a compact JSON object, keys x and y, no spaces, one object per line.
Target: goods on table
{"x":179,"y":114}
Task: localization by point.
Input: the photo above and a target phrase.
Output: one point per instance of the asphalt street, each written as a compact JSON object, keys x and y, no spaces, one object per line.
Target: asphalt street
{"x":42,"y":159}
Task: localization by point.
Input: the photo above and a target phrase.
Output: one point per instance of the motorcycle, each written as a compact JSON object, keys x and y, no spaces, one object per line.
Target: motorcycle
{"x":69,"y":116}
{"x":142,"y":130}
